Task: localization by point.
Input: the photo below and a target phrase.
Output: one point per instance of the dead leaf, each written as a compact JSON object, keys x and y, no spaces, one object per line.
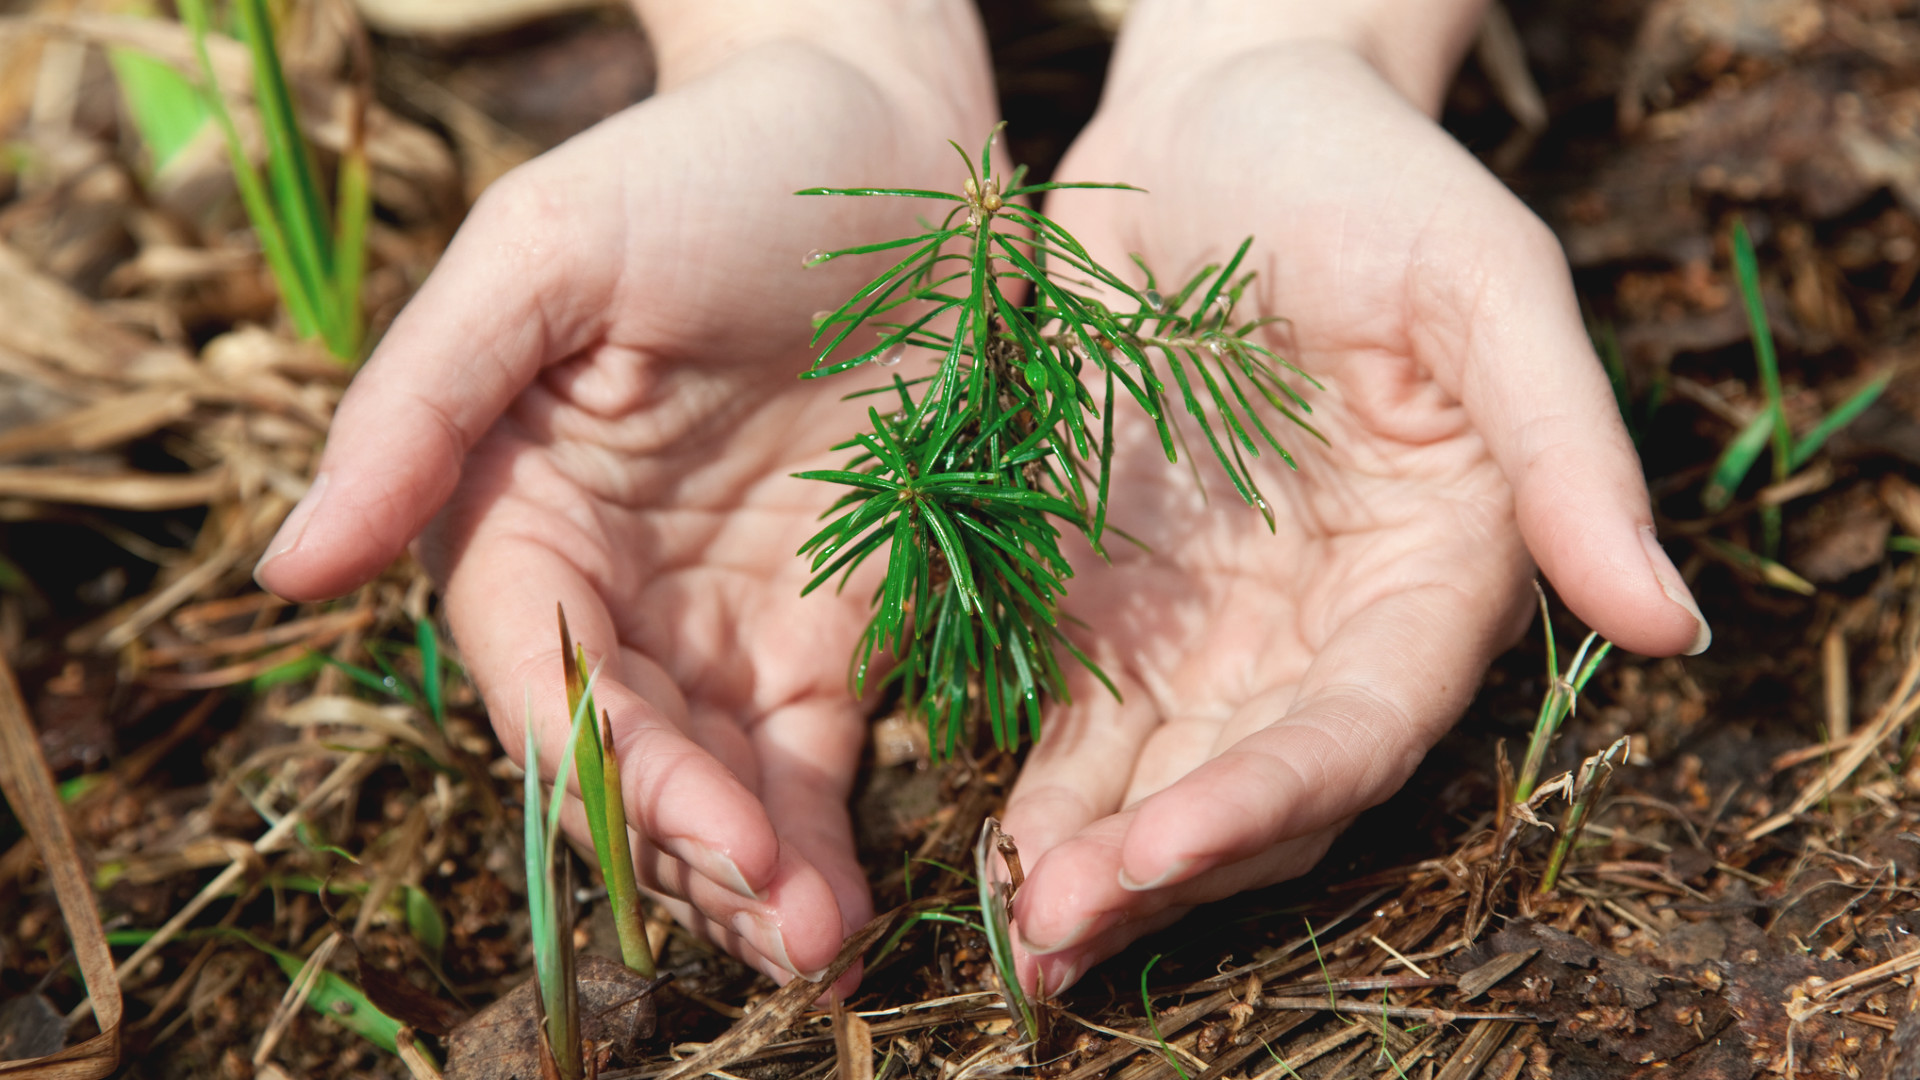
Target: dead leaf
{"x":394,"y":995}
{"x":779,"y":1011}
{"x":104,"y":423}
{"x":503,"y":1040}
{"x":30,"y":1027}
{"x":29,"y":790}
{"x":852,"y":1044}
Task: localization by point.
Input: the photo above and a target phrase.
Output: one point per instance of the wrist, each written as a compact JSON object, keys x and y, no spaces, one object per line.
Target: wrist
{"x":935,"y":44}
{"x":1415,"y":45}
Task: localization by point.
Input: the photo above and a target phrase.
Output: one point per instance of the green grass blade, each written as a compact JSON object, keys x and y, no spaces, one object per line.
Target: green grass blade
{"x":616,"y":864}
{"x":998,"y":930}
{"x":253,"y":191}
{"x":1746,"y":268}
{"x":433,"y":675}
{"x":425,"y":923}
{"x":290,"y":169}
{"x":353,"y":205}
{"x":334,"y":995}
{"x":1736,"y":461}
{"x":166,"y":108}
{"x":1845,"y":413}
{"x":1153,"y":1023}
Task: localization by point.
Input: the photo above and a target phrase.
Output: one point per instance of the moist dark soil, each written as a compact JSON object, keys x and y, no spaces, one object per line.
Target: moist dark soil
{"x":1738,"y":905}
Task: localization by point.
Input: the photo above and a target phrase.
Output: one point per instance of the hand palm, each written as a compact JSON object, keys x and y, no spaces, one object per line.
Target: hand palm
{"x":606,"y":363}
{"x":1275,"y":685}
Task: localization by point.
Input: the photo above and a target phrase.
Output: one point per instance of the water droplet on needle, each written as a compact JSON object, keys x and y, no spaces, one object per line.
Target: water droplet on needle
{"x":816,"y":257}
{"x":892,"y":355}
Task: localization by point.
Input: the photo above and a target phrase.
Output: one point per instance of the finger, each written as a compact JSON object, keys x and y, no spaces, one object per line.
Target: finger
{"x":809,"y":752}
{"x":1389,"y":681}
{"x":684,"y":800}
{"x":1537,"y":394}
{"x":754,"y":930}
{"x":522,"y":284}
{"x":1121,"y":916}
{"x":743,"y":948}
{"x":1074,"y":776}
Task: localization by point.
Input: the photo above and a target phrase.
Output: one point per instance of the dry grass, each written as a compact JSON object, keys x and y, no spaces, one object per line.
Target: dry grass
{"x":1738,"y":907}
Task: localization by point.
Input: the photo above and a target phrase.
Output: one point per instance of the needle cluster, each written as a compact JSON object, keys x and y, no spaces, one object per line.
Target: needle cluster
{"x":968,"y":475}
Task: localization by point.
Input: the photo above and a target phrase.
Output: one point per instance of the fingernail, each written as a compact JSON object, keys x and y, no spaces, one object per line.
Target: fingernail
{"x":1675,"y":588}
{"x":1066,"y":975}
{"x":719,"y":867}
{"x":1073,"y":937}
{"x":293,"y":528}
{"x":1167,"y":875}
{"x":763,"y":934}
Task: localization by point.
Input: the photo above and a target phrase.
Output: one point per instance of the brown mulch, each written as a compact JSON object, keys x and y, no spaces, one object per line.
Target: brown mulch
{"x":1739,"y":907}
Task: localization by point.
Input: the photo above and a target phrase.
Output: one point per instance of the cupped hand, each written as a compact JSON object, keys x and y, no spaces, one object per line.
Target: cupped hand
{"x":1276,"y":685}
{"x":594,"y":400}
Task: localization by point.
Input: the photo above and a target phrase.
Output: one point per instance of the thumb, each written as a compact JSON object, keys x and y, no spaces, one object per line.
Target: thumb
{"x":1536,"y":392}
{"x":524,"y":283}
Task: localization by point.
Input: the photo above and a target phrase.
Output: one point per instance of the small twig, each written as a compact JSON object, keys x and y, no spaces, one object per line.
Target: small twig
{"x":1899,"y":965}
{"x":1395,"y":953}
{"x":1008,"y":851}
{"x":1289,"y":1068}
{"x":1368,"y":1008}
{"x":350,"y":769}
{"x":295,"y":998}
{"x":1899,"y":706}
{"x":1192,"y":1058}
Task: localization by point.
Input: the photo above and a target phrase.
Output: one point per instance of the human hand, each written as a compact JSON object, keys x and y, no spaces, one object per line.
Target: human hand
{"x":1276,"y":685}
{"x":594,"y":399}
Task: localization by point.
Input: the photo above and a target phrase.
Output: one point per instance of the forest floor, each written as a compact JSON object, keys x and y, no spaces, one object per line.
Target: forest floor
{"x":1740,"y":904}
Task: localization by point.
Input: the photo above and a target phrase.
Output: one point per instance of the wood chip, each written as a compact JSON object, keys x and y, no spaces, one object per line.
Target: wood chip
{"x":1483,"y":978}
{"x":852,"y":1044}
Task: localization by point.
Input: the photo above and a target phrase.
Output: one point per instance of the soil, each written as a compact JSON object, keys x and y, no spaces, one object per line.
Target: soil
{"x":1740,"y":903}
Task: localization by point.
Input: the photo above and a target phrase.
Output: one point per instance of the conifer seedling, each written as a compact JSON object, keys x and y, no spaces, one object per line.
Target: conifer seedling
{"x":968,"y":474}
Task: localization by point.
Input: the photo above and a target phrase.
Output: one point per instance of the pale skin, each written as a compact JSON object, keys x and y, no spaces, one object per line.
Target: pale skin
{"x":593,"y":401}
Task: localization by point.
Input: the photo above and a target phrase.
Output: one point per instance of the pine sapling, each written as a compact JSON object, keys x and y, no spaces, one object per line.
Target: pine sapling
{"x":968,"y":475}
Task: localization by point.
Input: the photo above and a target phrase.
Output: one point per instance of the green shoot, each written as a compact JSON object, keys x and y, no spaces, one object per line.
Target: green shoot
{"x":1738,"y":458}
{"x":1843,"y":414}
{"x":385,"y":681}
{"x":333,"y":995}
{"x":599,"y":771}
{"x":996,"y":891}
{"x":1908,"y":544}
{"x":1282,"y":1062}
{"x":1736,"y":461}
{"x":425,"y":922}
{"x":1767,"y":570}
{"x":298,"y":670}
{"x":317,"y":254}
{"x":1388,"y":1053}
{"x":1747,"y":269}
{"x":166,"y":109}
{"x":1769,"y":428}
{"x":1333,"y":1002}
{"x":552,"y":928}
{"x":1606,"y":342}
{"x":1153,"y":1024}
{"x":12,"y":578}
{"x":1593,"y":776}
{"x":433,"y":677}
{"x":968,"y":472}
{"x":1562,"y":697}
